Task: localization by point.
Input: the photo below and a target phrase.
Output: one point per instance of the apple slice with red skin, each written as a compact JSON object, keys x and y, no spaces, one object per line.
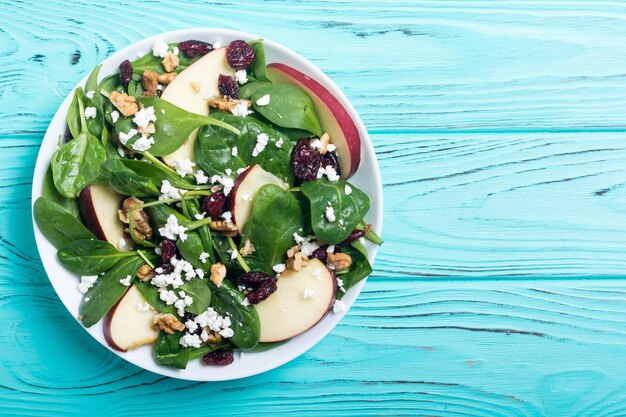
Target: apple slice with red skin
{"x":288,"y":311}
{"x":334,"y":117}
{"x":99,"y":204}
{"x":126,"y":327}
{"x":247,"y":185}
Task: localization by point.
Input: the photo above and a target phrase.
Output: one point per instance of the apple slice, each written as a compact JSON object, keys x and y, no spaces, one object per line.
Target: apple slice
{"x":247,"y":185}
{"x":127,"y":325}
{"x":334,"y":117}
{"x":302,"y":299}
{"x":191,"y":89}
{"x":99,"y":204}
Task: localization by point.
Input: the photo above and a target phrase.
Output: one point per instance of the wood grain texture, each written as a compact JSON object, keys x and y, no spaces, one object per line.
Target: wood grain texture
{"x":499,"y":127}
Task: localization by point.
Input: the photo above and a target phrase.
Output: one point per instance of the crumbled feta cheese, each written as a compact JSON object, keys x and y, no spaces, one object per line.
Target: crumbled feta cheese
{"x":299,"y":239}
{"x":227,"y":182}
{"x":121,"y":244}
{"x":86,"y":282}
{"x":144,"y":116}
{"x":228,"y":171}
{"x":228,"y":332}
{"x":184,"y":167}
{"x":175,"y":51}
{"x":171,"y":229}
{"x":90,"y":112}
{"x":126,"y":281}
{"x":143,"y":307}
{"x":279,"y":268}
{"x":330,"y":214}
{"x":190,"y":340}
{"x":240,"y":170}
{"x":191,"y":325}
{"x":309,"y":245}
{"x":204,"y":335}
{"x":347,"y":189}
{"x":169,"y":192}
{"x":241,"y":76}
{"x":199,"y":216}
{"x":87,"y":299}
{"x":245,"y":302}
{"x":261,"y":142}
{"x":228,"y":216}
{"x":203,"y":257}
{"x":241,"y":109}
{"x":279,"y":143}
{"x":90,"y":94}
{"x":234,"y":151}
{"x":214,"y":321}
{"x":341,"y":223}
{"x":115,"y":115}
{"x":160,"y":48}
{"x":168,"y":297}
{"x":201,"y":177}
{"x":330,"y":249}
{"x":158,"y":251}
{"x":125,"y":137}
{"x":316,"y":144}
{"x":143,"y":143}
{"x":338,"y":307}
{"x":331,"y":148}
{"x":340,"y":284}
{"x":330,"y":172}
{"x":263,"y":101}
{"x":234,"y":254}
{"x":308,"y":294}
{"x":200,"y":273}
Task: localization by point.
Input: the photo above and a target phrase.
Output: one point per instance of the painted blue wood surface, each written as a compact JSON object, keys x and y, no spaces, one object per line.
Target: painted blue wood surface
{"x":500,"y":129}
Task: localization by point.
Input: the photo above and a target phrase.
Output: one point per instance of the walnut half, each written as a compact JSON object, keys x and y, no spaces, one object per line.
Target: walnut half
{"x":150,"y":83}
{"x":168,"y":323}
{"x":124,"y":103}
{"x":298,"y":262}
{"x":228,"y":228}
{"x":340,"y":261}
{"x":141,"y":221}
{"x":218,"y":273}
{"x":227,"y":103}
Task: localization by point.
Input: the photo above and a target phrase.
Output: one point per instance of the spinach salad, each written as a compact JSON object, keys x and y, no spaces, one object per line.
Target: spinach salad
{"x":201,"y":196}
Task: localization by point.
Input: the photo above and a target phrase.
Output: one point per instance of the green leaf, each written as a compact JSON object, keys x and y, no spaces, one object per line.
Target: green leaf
{"x":90,"y":257}
{"x":276,"y":216}
{"x":244,"y":320}
{"x":107,"y":290}
{"x":94,"y":125}
{"x":126,"y":181}
{"x":191,"y":249}
{"x":359,"y":269}
{"x":49,"y":192}
{"x":258,"y":66}
{"x":174,"y":125}
{"x":351,"y":208}
{"x":169,"y":352}
{"x":201,"y":294}
{"x":213,"y":148}
{"x":204,"y":233}
{"x":152,"y":296}
{"x":289,"y":107}
{"x":246,"y":90}
{"x":73,"y":117}
{"x":57,"y":224}
{"x":153,"y":63}
{"x":156,"y":173}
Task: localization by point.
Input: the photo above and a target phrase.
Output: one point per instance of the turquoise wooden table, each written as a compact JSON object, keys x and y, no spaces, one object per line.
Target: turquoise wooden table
{"x":500,"y":128}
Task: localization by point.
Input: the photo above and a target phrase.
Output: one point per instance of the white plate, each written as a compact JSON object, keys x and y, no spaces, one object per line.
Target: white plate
{"x":65,"y":283}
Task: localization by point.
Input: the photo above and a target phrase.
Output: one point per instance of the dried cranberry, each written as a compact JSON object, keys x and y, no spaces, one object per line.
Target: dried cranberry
{"x":330,"y":158}
{"x":305,"y":160}
{"x":168,"y":250}
{"x":354,"y":235}
{"x":67,"y":136}
{"x":254,"y":279}
{"x":126,"y":73}
{"x":239,"y":54}
{"x":219,"y":358}
{"x":214,"y":204}
{"x":193,"y":48}
{"x":228,"y":86}
{"x":320,"y":253}
{"x":265,"y":290}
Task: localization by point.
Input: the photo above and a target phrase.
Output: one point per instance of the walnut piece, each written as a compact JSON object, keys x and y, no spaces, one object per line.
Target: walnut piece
{"x":214,"y":337}
{"x":166,"y":78}
{"x":228,"y":228}
{"x":298,"y":262}
{"x":168,"y":323}
{"x":324,"y":140}
{"x":247,"y":249}
{"x":170,"y":62}
{"x":292,"y":251}
{"x":340,"y":261}
{"x":141,"y":221}
{"x":148,"y":130}
{"x":227,"y":103}
{"x":145,"y":273}
{"x":150,"y":83}
{"x":218,"y":273}
{"x":124,"y":103}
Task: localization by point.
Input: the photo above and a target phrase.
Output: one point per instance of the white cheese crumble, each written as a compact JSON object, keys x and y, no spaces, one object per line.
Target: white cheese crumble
{"x":175,"y":51}
{"x":90,"y":113}
{"x":279,"y":268}
{"x":316,"y":144}
{"x":330,"y":172}
{"x":201,"y":177}
{"x":347,"y":189}
{"x":330,"y":214}
{"x":191,"y":325}
{"x":86,"y":282}
{"x":126,"y":281}
{"x":279,"y":143}
{"x":168,"y":191}
{"x":87,"y":299}
{"x":168,"y":297}
{"x":184,"y":167}
{"x":241,"y":76}
{"x":263,"y":101}
{"x":299,"y":239}
{"x":203,"y":257}
{"x":309,"y":245}
{"x":228,"y":216}
{"x":143,"y":307}
{"x":204,"y":335}
{"x":144,"y":116}
{"x":160,"y":48}
{"x":199,"y":216}
{"x":338,"y":307}
{"x":90,"y":94}
{"x":245,"y":302}
{"x":240,"y":170}
{"x":184,"y":301}
{"x":241,"y":109}
{"x":234,"y":151}
{"x":227,"y":182}
{"x":122,"y":245}
{"x":143,"y":143}
{"x":308,"y":294}
{"x":331,"y":148}
{"x":233,"y":254}
{"x":190,"y":340}
{"x":173,"y":229}
{"x":125,"y":137}
{"x":330,"y":249}
{"x":340,"y":284}
{"x":115,"y":115}
{"x":261,"y":142}
{"x":215,"y":322}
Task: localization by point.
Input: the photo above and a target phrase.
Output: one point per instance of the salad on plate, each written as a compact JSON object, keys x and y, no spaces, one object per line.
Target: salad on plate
{"x":201,"y":196}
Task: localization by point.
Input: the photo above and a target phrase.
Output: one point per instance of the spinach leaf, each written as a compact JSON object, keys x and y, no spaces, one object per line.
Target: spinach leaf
{"x":289,"y":106}
{"x":110,"y":83}
{"x":350,"y":209}
{"x":95,"y":125}
{"x":153,"y":63}
{"x":204,"y":233}
{"x":73,"y":117}
{"x":107,"y":290}
{"x":174,"y":125}
{"x":90,"y":257}
{"x":246,"y":91}
{"x":201,"y":294}
{"x":221,"y":246}
{"x":244,"y":320}
{"x":276,"y":216}
{"x":135,"y":89}
{"x":151,"y":294}
{"x":191,"y":249}
{"x":156,"y":173}
{"x":57,"y":224}
{"x":213,"y":148}
{"x":258,"y":66}
{"x":126,"y":181}
{"x":49,"y":192}
{"x":78,"y":162}
{"x":359,"y":269}
{"x":169,"y":352}
{"x":265,"y":346}
{"x":158,"y":215}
